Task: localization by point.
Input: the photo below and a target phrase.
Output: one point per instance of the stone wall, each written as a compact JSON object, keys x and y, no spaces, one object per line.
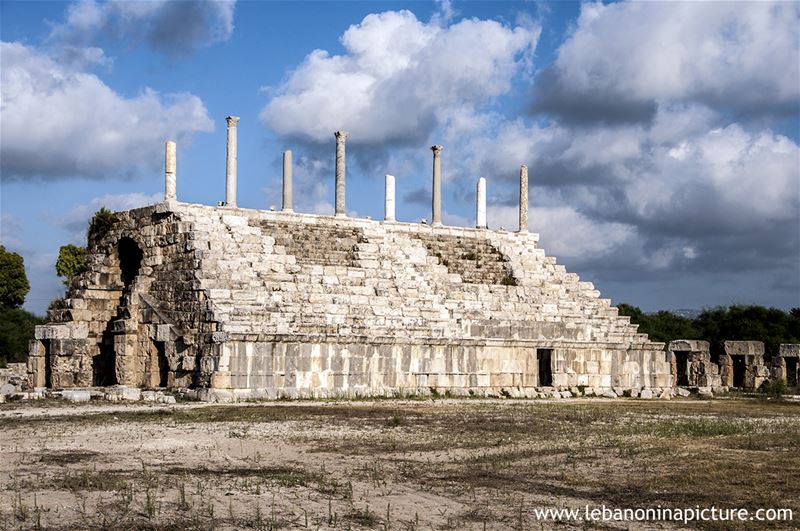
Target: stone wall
{"x":248,"y":302}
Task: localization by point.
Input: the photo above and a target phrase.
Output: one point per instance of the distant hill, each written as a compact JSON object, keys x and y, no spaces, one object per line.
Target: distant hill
{"x":689,"y":313}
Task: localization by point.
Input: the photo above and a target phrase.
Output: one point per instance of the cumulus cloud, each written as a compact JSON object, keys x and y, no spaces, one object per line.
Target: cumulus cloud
{"x":169,"y":27}
{"x":58,"y":121}
{"x":624,"y":58}
{"x":684,"y":192}
{"x":76,"y":221}
{"x":399,"y":79}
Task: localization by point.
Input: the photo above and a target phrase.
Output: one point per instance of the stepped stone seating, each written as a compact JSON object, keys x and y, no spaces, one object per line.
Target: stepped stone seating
{"x":242,"y":303}
{"x":476,"y":261}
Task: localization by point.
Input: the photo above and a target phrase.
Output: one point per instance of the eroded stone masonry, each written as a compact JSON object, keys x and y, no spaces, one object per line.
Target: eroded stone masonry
{"x":236,"y":303}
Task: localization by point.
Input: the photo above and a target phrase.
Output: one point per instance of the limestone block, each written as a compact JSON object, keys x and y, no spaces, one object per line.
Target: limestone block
{"x":646,"y":394}
{"x":789,"y":350}
{"x":76,"y":395}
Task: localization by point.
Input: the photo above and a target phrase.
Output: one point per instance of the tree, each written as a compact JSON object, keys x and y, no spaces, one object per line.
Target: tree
{"x":16,"y":330}
{"x":14,"y":284}
{"x":100,"y":223}
{"x":71,"y":261}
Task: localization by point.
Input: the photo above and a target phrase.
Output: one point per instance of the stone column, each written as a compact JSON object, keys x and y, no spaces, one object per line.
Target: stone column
{"x":481,"y":204}
{"x":230,"y":167}
{"x":341,"y":209}
{"x":436,"y":215}
{"x":389,"y":202}
{"x":523,"y":198}
{"x":170,"y":183}
{"x":287,"y":181}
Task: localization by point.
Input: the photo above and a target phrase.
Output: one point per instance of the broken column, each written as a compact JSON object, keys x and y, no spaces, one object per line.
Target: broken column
{"x":341,"y":137}
{"x":436,"y":215}
{"x":230,"y":166}
{"x":287,"y":181}
{"x":523,"y":198}
{"x":389,"y":202}
{"x":481,"y":204}
{"x":170,"y":183}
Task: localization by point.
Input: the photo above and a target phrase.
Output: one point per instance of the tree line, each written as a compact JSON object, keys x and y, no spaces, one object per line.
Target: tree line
{"x":715,"y":325}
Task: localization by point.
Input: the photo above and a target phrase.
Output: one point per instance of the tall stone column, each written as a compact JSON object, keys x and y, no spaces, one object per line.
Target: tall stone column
{"x":389,"y":202}
{"x":230,"y":166}
{"x":436,"y":200}
{"x":480,"y":204}
{"x":170,"y":178}
{"x":341,"y":138}
{"x":287,"y":181}
{"x":523,"y":198}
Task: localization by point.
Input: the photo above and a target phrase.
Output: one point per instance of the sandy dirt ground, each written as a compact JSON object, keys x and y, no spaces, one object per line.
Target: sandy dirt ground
{"x":389,"y":464}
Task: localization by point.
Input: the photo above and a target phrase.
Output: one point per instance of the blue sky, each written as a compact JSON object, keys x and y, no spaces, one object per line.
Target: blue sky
{"x":662,"y":138}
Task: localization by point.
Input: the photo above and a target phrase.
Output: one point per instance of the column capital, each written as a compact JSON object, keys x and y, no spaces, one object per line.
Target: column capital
{"x":232,"y":120}
{"x":436,"y":149}
{"x":341,"y":135}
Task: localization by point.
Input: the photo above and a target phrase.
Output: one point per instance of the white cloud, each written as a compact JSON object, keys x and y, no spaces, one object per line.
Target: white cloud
{"x":62,"y":122}
{"x":730,"y":55}
{"x":398,"y":79}
{"x":171,"y":27}
{"x":565,"y":232}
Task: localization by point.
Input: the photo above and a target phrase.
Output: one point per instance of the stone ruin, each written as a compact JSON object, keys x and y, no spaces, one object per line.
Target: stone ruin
{"x":231,"y":303}
{"x":692,"y":365}
{"x":741,"y":365}
{"x":786,"y":366}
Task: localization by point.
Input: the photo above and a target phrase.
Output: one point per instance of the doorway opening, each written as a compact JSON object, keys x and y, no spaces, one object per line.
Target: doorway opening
{"x":544,"y":357}
{"x":791,"y":371}
{"x":104,"y":370}
{"x":130,"y":260}
{"x":739,"y":370}
{"x":48,"y":364}
{"x":682,"y":367}
{"x":163,"y":364}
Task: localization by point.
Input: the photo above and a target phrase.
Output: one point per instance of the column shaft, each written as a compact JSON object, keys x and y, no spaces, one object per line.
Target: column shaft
{"x":170,"y":177}
{"x":341,"y":137}
{"x":389,"y":202}
{"x":287,"y":181}
{"x":523,"y":198}
{"x":230,"y":166}
{"x":480,"y":205}
{"x":436,"y":199}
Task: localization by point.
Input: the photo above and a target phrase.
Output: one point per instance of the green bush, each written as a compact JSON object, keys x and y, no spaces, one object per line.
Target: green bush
{"x":774,"y":388}
{"x":16,"y":330}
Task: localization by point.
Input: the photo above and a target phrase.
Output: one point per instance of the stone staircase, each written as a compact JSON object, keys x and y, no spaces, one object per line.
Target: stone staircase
{"x":475,"y":260}
{"x":326,"y":245}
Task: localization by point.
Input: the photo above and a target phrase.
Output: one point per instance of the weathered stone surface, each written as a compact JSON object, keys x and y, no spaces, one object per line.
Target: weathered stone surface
{"x":646,"y":393}
{"x":682,"y":392}
{"x":76,"y":395}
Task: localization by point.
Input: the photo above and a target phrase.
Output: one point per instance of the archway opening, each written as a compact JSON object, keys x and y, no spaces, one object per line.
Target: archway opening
{"x":130,"y":260}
